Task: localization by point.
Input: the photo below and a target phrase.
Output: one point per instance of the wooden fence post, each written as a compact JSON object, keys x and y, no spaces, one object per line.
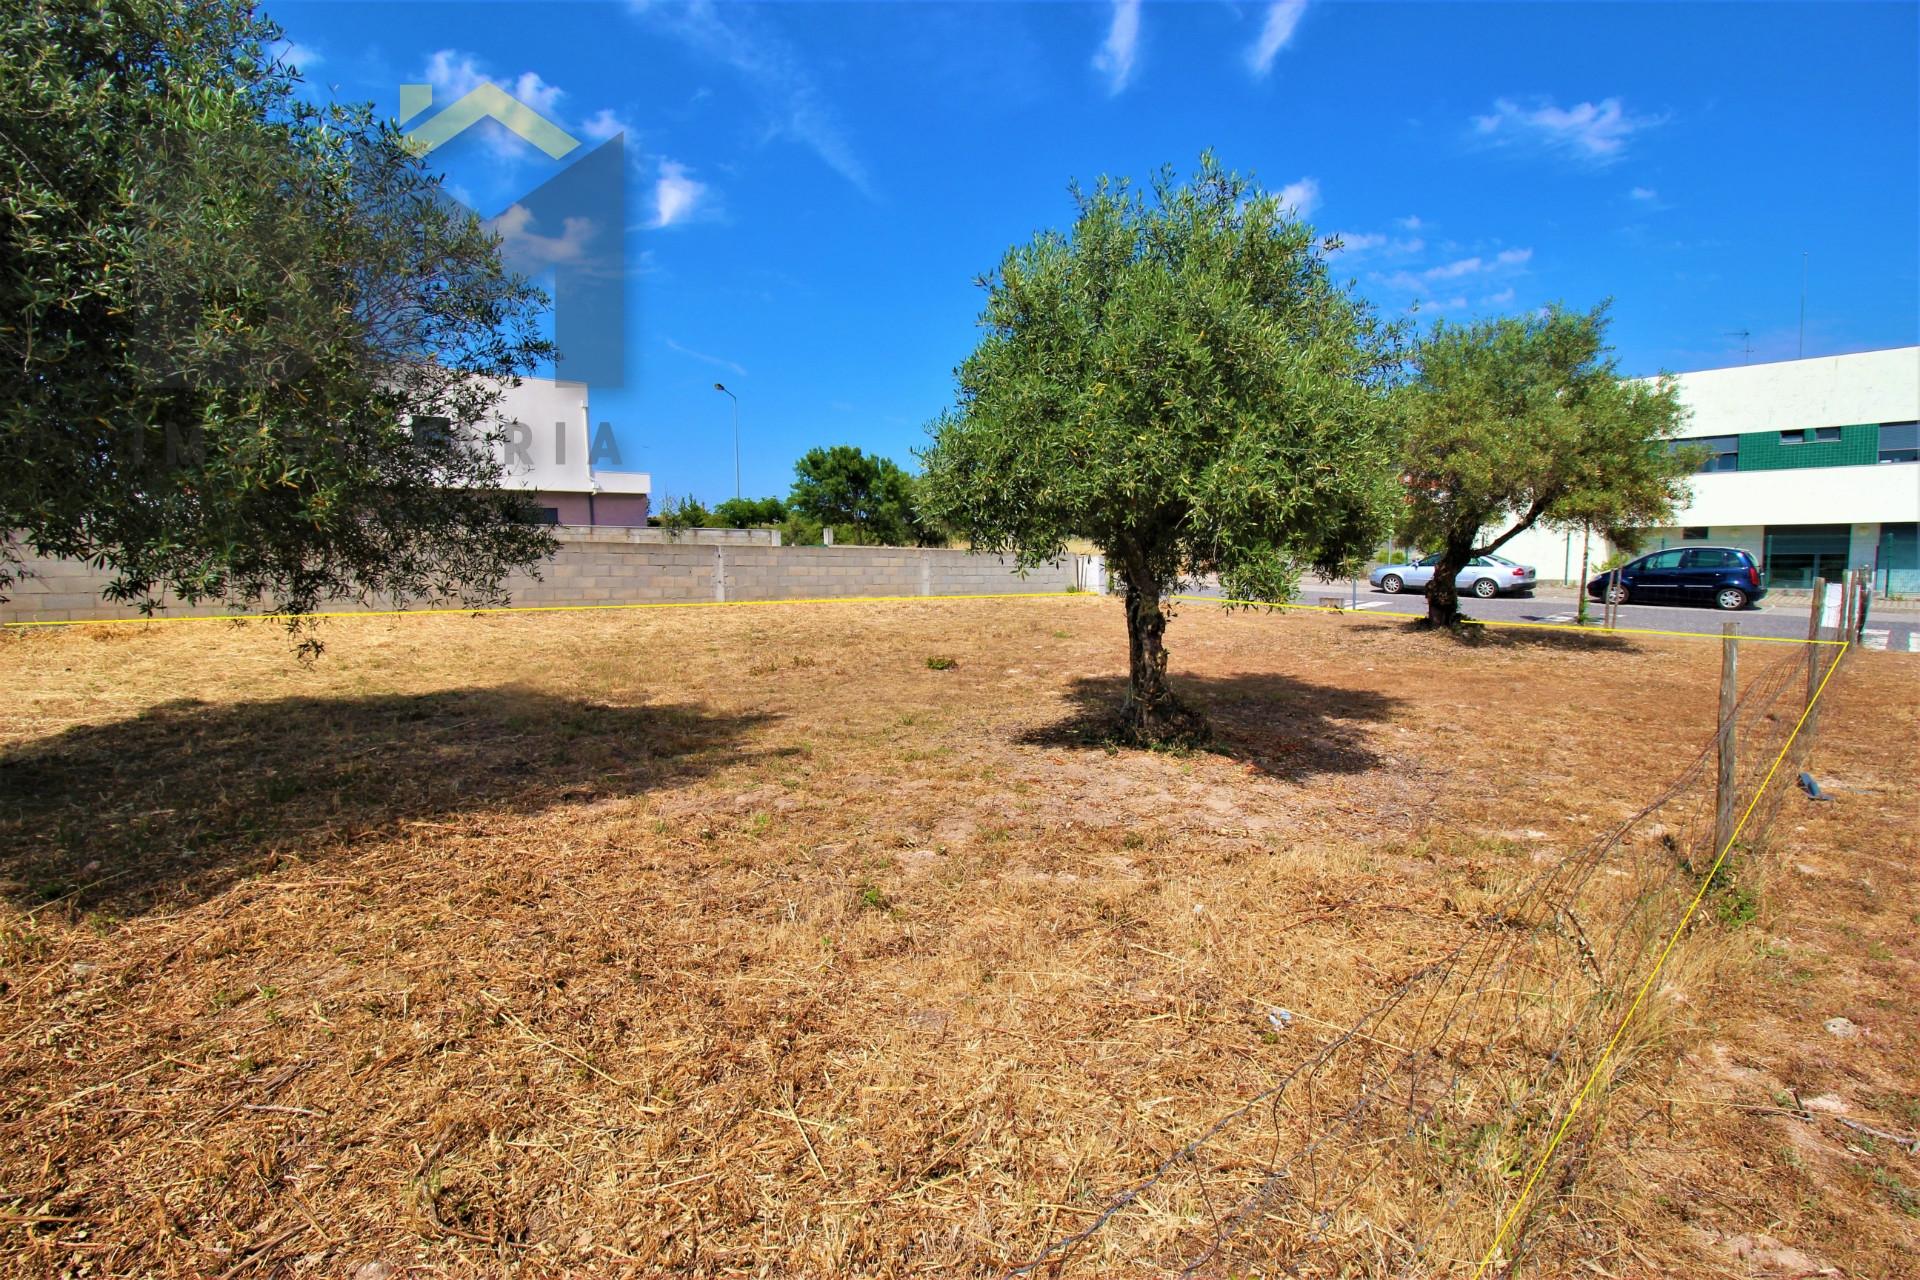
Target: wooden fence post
{"x":1813,"y":652}
{"x":1729,"y":704}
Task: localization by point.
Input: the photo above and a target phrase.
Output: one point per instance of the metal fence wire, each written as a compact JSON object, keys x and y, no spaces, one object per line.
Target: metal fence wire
{"x":1406,"y":1143}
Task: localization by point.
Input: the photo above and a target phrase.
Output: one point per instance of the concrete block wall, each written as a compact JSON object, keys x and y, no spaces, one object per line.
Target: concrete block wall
{"x":601,"y":568}
{"x":667,"y":537}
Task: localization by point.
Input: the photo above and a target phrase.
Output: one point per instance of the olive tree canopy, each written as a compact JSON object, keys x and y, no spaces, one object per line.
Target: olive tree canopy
{"x":249,"y":350}
{"x":1179,"y":379}
{"x":1523,"y":420}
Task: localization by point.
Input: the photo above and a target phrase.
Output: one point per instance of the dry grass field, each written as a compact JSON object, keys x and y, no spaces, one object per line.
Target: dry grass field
{"x":833,"y":940}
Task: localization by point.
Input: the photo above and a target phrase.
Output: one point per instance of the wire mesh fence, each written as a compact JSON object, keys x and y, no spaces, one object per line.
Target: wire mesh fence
{"x":1431,"y":1135}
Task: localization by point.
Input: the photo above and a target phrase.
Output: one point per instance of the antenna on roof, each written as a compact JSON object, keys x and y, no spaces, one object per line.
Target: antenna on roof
{"x":1746,"y":337}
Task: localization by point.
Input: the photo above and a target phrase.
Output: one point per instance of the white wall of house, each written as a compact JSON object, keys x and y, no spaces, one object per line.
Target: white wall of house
{"x":1827,"y":391}
{"x":550,"y":442}
{"x":1554,"y":553}
{"x":1805,"y":495}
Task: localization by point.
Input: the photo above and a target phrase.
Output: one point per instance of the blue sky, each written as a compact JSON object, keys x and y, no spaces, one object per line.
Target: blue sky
{"x":813,"y":187}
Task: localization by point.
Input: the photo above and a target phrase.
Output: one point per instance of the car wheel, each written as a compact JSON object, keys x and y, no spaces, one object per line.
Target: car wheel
{"x":1391,"y":584}
{"x":1486,"y":588}
{"x":1730,"y":598}
{"x":1617,"y":594}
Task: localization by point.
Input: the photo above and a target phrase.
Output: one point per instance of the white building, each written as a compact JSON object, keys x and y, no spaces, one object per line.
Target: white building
{"x":1814,"y":466}
{"x":574,"y":471}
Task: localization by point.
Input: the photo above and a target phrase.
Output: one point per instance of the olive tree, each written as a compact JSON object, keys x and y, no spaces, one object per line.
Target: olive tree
{"x":1517,"y":421}
{"x":248,"y":348}
{"x":1179,"y":379}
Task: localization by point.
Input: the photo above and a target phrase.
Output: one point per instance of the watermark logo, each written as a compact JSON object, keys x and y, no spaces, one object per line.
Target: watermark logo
{"x":573,"y":225}
{"x":486,"y":102}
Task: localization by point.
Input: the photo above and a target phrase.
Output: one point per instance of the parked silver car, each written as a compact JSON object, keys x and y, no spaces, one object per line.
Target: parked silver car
{"x":1484,"y":576}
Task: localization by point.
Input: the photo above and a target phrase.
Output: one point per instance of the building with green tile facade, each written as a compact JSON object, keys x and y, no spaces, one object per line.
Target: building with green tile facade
{"x":1813,"y":465}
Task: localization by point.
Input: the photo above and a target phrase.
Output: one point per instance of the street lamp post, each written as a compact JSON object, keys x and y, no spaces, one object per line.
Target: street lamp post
{"x":736,"y":436}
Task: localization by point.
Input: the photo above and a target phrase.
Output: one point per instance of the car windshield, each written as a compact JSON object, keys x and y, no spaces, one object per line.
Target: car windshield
{"x":1500,"y":560}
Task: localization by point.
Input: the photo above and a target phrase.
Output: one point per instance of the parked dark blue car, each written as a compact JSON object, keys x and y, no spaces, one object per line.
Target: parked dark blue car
{"x":1724,"y":577}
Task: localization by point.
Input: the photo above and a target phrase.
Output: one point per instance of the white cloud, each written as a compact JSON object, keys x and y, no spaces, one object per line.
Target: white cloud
{"x":676,"y":195}
{"x":1358,"y":242}
{"x":786,"y":88}
{"x":1454,"y":270}
{"x":605,"y":124}
{"x":1410,"y":223}
{"x":1275,"y":34}
{"x":529,"y":88}
{"x":1303,"y":197}
{"x":1499,"y":299}
{"x":454,"y":74}
{"x":529,"y":251}
{"x":1597,"y":132}
{"x":1460,"y":269}
{"x":1116,"y":57}
{"x":291,"y":53}
{"x":720,"y":362}
{"x":1371,"y":241}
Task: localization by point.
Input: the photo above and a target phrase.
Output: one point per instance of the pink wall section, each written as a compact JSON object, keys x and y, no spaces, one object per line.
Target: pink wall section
{"x":628,"y":509}
{"x":622,"y":509}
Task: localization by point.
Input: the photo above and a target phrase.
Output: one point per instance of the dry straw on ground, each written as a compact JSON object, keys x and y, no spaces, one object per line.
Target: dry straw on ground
{"x":747,"y":940}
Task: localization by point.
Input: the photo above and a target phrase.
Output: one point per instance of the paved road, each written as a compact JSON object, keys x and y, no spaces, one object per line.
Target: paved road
{"x":1895,"y":631}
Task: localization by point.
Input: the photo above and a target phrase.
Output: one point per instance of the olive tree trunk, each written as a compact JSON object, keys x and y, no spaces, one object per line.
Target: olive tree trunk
{"x":1443,"y":592}
{"x":1152,"y":715}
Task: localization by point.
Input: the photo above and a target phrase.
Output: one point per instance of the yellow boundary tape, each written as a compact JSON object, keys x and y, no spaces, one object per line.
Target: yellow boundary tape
{"x":537,"y":608}
{"x":1498,"y":622}
{"x":1699,"y":895}
{"x":722,"y":604}
{"x":1686,"y":917}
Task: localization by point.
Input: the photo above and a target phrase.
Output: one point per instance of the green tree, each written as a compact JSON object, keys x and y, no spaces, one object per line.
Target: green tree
{"x":251,"y":351}
{"x":861,"y":496}
{"x":677,"y":515}
{"x":750,"y":513}
{"x":1180,"y":380}
{"x":1524,"y":420}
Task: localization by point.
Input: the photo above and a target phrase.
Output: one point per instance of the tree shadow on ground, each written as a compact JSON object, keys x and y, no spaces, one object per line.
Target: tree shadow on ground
{"x":1566,"y":639}
{"x":176,"y":803}
{"x":1288,"y":728}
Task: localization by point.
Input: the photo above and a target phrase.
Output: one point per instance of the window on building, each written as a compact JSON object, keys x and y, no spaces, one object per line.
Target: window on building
{"x":1694,"y":533}
{"x":1723,"y":452}
{"x":1900,"y":442}
{"x":546,"y":515}
{"x":1810,"y":435}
